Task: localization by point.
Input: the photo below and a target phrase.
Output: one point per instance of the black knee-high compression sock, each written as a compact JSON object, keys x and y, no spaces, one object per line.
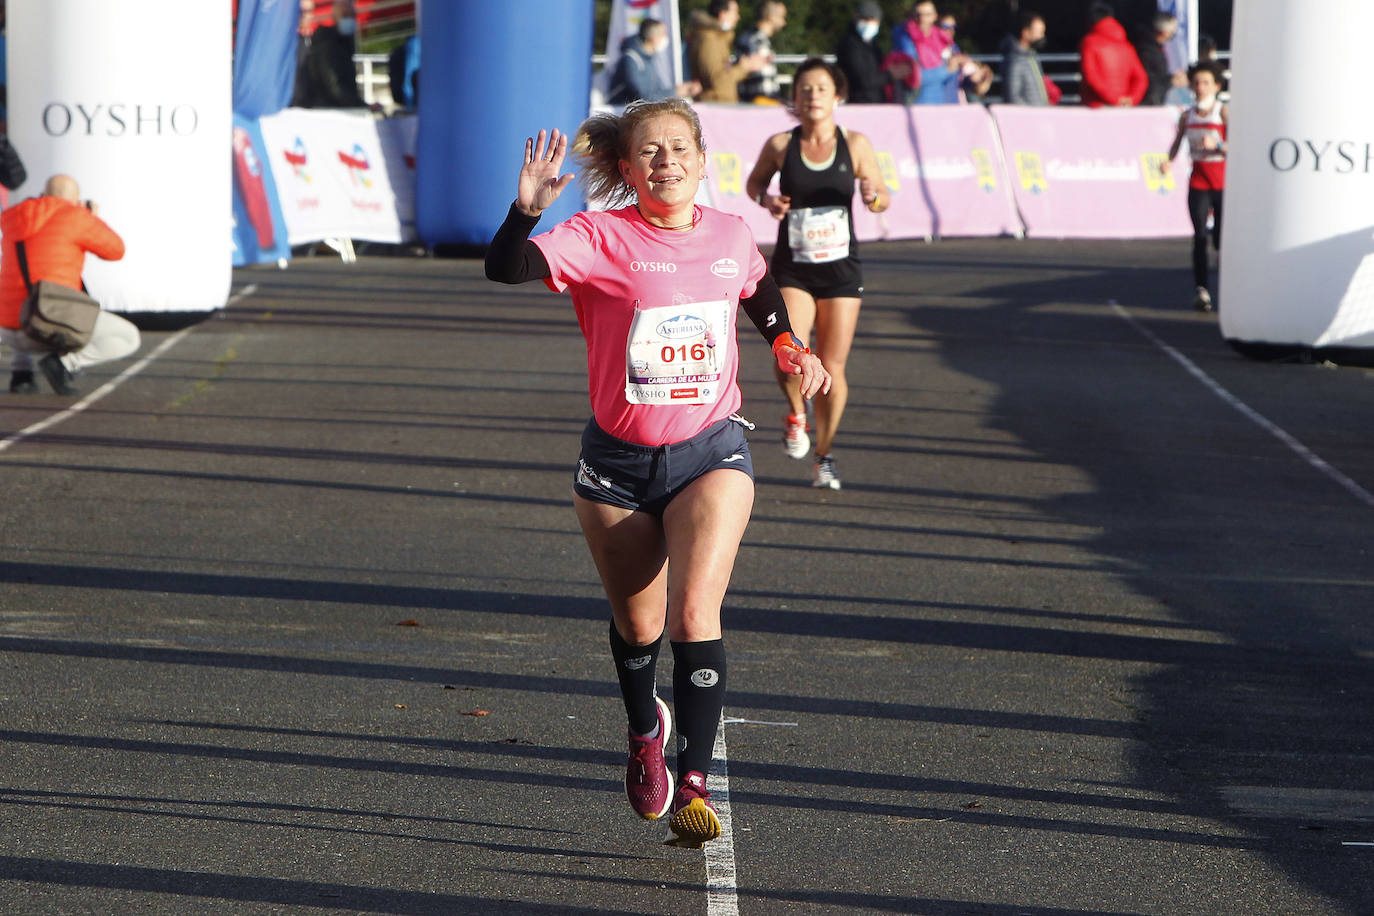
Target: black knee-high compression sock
{"x":635,"y":666}
{"x":698,"y":698}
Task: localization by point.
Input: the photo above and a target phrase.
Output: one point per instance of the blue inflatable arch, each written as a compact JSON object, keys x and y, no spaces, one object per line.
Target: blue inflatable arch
{"x":494,"y":73}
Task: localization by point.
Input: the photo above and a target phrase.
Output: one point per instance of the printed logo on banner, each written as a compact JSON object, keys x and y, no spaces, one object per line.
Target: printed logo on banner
{"x":357,"y":165}
{"x":298,"y":158}
{"x":1159,"y":178}
{"x":887,"y":165}
{"x":987,"y":175}
{"x":1031,"y":171}
{"x":1343,"y":157}
{"x":118,"y":119}
{"x":729,"y":173}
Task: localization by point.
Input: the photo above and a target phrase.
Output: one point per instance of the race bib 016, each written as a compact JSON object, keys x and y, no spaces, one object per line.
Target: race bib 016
{"x":675,"y":353}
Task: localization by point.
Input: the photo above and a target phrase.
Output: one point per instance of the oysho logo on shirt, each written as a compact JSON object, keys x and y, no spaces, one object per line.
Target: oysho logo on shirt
{"x":726,"y":268}
{"x":653,"y":267}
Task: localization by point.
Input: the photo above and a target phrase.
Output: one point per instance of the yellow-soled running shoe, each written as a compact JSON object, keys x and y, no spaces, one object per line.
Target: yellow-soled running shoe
{"x":694,"y":822}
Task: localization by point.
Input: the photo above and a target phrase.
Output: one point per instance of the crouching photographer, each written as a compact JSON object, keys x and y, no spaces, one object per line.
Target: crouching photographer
{"x":42,"y":308}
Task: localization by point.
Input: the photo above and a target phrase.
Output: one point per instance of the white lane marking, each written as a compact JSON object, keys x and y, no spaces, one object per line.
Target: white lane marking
{"x":721,"y":887}
{"x":733,"y":721}
{"x":113,"y":383}
{"x":1253,"y":415}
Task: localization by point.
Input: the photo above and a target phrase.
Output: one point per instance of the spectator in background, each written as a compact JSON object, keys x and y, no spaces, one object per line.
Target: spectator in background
{"x":920,"y":39}
{"x":1150,"y":49}
{"x":1023,"y":82}
{"x":1183,"y":96}
{"x":326,"y":77}
{"x":974,"y":78}
{"x":758,"y":42}
{"x":1112,"y":74}
{"x":636,"y":73}
{"x":861,"y":60}
{"x":56,"y":230}
{"x":708,"y":53}
{"x":403,"y":72}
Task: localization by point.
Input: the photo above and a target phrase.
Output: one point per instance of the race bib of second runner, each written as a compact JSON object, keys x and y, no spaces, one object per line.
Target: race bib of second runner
{"x":675,"y":353}
{"x":818,"y":235}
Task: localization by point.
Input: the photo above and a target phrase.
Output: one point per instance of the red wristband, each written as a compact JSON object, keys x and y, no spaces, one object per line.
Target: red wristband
{"x":788,"y":341}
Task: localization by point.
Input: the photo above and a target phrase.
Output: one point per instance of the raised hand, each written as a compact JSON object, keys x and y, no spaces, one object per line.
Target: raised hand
{"x":540,"y":183}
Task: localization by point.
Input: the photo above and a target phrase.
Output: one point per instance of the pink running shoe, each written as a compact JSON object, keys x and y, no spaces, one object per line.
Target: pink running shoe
{"x":648,"y":783}
{"x":694,"y":820}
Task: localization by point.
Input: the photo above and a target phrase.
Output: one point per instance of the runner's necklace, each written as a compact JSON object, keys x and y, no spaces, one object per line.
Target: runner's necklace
{"x":674,"y":228}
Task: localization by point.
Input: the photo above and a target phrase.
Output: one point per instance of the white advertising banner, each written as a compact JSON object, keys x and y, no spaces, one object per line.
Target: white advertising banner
{"x":333,"y":177}
{"x":118,"y":96}
{"x":1297,"y":263}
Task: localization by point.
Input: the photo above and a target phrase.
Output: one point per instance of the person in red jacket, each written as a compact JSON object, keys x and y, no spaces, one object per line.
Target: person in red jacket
{"x":57,"y":230}
{"x":1112,"y":72}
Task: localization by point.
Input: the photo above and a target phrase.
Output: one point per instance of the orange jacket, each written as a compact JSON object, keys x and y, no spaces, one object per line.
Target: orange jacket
{"x":56,"y":235}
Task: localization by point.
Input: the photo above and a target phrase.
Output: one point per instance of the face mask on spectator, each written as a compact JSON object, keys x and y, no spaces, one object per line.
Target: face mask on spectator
{"x":348,"y":26}
{"x":868,"y":29}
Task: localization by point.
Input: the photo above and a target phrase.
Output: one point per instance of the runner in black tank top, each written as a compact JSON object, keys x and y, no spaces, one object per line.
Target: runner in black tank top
{"x":816,"y":262}
{"x":824,"y":272}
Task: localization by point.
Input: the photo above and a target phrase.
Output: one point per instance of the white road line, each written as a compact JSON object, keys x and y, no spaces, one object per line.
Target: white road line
{"x":1254,"y":416}
{"x":113,"y":383}
{"x":721,"y":896}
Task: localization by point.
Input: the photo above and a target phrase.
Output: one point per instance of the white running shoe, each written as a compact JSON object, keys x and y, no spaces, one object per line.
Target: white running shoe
{"x":1202,"y":301}
{"x":795,"y":441}
{"x":824,"y":475}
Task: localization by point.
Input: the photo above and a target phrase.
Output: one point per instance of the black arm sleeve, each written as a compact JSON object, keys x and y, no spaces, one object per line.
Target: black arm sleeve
{"x":512,"y":257}
{"x":767,"y":309}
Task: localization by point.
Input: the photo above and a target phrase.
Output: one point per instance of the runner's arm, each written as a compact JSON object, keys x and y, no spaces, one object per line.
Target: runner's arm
{"x":767,"y":309}
{"x":512,"y":257}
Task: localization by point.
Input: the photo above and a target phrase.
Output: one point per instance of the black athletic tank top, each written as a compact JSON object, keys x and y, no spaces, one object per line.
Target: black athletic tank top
{"x":807,"y":187}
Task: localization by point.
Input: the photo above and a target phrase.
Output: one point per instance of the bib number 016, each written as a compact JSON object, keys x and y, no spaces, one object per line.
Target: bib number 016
{"x":696,"y":352}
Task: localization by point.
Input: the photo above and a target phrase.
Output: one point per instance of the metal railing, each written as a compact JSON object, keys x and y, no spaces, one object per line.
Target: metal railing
{"x":374,"y":79}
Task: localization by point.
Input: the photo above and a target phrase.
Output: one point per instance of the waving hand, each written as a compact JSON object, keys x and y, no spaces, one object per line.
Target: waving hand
{"x":540,"y":183}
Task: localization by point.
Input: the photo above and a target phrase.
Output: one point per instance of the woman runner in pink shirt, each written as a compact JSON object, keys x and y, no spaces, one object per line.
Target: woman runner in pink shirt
{"x":664,"y":480}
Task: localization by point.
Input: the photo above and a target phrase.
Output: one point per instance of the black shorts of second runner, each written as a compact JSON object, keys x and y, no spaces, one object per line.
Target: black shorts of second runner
{"x":842,"y":279}
{"x":647,"y":477}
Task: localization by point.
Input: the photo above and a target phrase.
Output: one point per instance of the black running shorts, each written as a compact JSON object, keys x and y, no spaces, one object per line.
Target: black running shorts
{"x":647,"y":477}
{"x":841,"y":279}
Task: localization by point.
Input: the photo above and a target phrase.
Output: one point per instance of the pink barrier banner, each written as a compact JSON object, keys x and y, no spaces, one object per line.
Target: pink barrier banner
{"x":1095,"y":173}
{"x":941,"y":164}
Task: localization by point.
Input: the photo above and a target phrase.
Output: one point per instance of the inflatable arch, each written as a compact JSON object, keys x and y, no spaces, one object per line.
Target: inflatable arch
{"x":507,"y":70}
{"x":1297,"y":265}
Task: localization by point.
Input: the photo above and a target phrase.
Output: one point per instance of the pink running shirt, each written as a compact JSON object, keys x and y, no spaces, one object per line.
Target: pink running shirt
{"x":615,"y":264}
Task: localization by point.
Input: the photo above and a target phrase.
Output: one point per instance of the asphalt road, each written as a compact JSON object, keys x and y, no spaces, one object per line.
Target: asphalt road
{"x":296,"y":617}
